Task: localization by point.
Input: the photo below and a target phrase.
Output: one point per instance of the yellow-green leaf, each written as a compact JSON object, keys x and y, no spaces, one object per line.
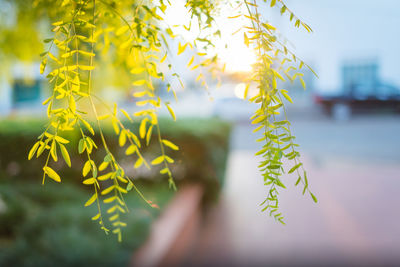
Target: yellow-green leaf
{"x":43,"y":65}
{"x":115,"y":125}
{"x":142,"y":128}
{"x":86,"y":168}
{"x":64,"y":153}
{"x":110,"y":199}
{"x":303,"y":83}
{"x":89,"y":181}
{"x":148,"y":135}
{"x":163,"y":58}
{"x":122,"y":190}
{"x":246,"y":40}
{"x":170,"y":160}
{"x":88,"y":126}
{"x":103,"y":166}
{"x":164,"y":171}
{"x":139,"y":83}
{"x":61,"y":140}
{"x":103,"y":117}
{"x":181,"y":48}
{"x":137,"y":70}
{"x":85,"y":53}
{"x":130,"y":150}
{"x":122,"y":179}
{"x":105,"y":176}
{"x":53,"y":151}
{"x":288,"y":98}
{"x":52,"y":174}
{"x":126,"y":115}
{"x":108,"y":190}
{"x":33,"y":150}
{"x":95,"y":217}
{"x":190,"y":61}
{"x":138,"y":163}
{"x":122,"y":138}
{"x":85,"y":67}
{"x":91,"y":200}
{"x":170,"y":144}
{"x":171,"y":111}
{"x":157,"y":160}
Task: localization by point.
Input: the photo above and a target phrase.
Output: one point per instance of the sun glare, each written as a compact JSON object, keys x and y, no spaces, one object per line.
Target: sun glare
{"x":230,"y":48}
{"x":240,"y":90}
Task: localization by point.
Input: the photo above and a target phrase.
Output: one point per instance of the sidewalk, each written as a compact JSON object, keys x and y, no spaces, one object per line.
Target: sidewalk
{"x":354,"y":223}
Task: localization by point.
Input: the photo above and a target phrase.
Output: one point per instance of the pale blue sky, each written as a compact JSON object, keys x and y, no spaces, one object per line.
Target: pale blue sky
{"x":345,"y":30}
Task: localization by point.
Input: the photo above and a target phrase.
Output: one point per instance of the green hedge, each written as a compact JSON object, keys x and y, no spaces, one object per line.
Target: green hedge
{"x":48,"y":225}
{"x":202,"y":155}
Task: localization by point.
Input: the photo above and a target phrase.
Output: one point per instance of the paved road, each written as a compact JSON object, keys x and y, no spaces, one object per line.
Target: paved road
{"x":354,"y":169}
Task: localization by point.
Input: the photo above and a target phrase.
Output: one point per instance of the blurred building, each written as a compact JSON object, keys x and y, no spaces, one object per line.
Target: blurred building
{"x":23,"y":90}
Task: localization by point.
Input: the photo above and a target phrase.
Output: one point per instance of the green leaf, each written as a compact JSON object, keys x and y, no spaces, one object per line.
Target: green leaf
{"x":279,"y":183}
{"x":305,"y":178}
{"x":314,"y":198}
{"x":107,"y":158}
{"x":81,"y":146}
{"x":129,"y":186}
{"x":295,"y":167}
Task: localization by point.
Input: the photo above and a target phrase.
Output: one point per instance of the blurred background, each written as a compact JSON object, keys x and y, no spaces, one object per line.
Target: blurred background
{"x":347,"y":124}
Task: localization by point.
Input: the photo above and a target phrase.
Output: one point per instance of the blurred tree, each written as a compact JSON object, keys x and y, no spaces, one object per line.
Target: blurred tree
{"x":128,"y":43}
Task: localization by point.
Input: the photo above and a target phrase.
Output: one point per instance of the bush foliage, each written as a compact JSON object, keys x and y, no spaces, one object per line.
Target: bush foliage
{"x":48,"y":224}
